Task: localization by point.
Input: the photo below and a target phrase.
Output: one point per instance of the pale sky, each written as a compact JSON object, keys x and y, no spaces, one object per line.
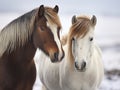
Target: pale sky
{"x":104,"y":7}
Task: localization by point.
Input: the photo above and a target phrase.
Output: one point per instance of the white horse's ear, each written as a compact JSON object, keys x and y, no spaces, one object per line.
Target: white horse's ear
{"x":94,"y":20}
{"x":74,"y":19}
{"x":56,"y":8}
{"x":41,"y":11}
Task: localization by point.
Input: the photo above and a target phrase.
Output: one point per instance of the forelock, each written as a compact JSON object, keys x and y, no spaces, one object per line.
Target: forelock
{"x":80,"y":28}
{"x":52,"y":16}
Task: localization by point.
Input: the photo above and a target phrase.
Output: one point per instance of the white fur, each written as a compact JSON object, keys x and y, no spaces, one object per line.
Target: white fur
{"x":64,"y":76}
{"x":83,"y":49}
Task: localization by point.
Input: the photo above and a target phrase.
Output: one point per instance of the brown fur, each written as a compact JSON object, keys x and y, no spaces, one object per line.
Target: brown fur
{"x":18,"y":43}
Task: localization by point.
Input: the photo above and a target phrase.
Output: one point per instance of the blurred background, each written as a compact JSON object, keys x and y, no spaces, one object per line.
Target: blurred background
{"x":107,"y":30}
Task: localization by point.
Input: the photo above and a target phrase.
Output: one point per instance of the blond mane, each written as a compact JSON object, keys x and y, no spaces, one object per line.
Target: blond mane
{"x":19,"y":31}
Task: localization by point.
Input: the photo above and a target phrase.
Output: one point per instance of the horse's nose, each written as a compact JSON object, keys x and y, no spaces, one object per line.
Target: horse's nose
{"x":76,"y":65}
{"x":83,"y":65}
{"x":80,"y":66}
{"x":56,"y":55}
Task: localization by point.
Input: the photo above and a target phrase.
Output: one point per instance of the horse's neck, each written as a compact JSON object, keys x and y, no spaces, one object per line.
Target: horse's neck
{"x":39,"y":55}
{"x":23,"y":54}
{"x":96,"y":56}
{"x":68,"y":62}
{"x":98,"y":50}
{"x":95,"y":59}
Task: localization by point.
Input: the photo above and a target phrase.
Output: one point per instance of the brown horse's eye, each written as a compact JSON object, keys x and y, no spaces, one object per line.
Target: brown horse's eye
{"x":42,"y":28}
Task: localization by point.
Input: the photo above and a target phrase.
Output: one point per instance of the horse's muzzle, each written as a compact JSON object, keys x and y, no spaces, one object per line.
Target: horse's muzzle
{"x":57,"y":57}
{"x":80,"y":67}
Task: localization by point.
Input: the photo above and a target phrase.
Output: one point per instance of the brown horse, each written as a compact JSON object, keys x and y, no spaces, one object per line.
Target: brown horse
{"x":19,"y":40}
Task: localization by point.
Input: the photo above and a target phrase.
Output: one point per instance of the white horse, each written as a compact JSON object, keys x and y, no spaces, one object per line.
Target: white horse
{"x":81,"y":68}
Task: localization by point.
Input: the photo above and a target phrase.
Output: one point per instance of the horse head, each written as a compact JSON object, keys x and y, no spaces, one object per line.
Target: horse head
{"x":81,"y":39}
{"x":46,"y":33}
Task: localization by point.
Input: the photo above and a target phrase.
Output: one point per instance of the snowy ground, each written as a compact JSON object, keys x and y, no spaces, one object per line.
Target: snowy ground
{"x":107,"y":33}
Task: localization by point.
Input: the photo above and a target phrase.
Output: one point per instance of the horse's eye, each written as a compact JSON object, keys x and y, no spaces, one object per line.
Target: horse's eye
{"x":73,"y":39}
{"x":91,"y":39}
{"x":42,"y":28}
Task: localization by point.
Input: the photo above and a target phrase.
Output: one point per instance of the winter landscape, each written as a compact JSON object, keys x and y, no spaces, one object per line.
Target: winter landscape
{"x":107,"y":33}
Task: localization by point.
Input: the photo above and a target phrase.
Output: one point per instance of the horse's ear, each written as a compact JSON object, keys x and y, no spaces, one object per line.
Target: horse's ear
{"x":56,"y":8}
{"x":41,"y":11}
{"x":94,"y":20}
{"x":74,"y":19}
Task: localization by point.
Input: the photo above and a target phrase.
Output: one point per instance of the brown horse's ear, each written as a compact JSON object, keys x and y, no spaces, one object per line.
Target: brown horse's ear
{"x":41,"y":11}
{"x":74,"y":19}
{"x":94,"y":20}
{"x":56,"y":8}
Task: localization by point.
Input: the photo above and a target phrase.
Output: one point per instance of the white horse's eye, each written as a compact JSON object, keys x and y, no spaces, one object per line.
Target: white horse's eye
{"x":73,"y":39}
{"x":91,"y":39}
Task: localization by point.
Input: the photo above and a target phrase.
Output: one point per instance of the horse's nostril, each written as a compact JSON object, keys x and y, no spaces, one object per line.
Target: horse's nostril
{"x":56,"y":55}
{"x":83,"y":65}
{"x":76,"y":65}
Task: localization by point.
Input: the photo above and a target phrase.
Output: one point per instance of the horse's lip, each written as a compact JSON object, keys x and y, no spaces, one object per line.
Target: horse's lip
{"x":55,"y":60}
{"x":81,"y":70}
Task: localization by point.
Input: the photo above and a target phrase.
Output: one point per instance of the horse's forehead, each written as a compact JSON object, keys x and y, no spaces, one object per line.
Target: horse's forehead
{"x":53,"y":19}
{"x":53,"y":27}
{"x":88,"y":32}
{"x":51,"y":24}
{"x":88,"y":35}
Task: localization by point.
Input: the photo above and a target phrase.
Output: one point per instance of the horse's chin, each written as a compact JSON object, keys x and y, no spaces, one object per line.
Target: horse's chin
{"x":80,"y":70}
{"x":54,"y":61}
